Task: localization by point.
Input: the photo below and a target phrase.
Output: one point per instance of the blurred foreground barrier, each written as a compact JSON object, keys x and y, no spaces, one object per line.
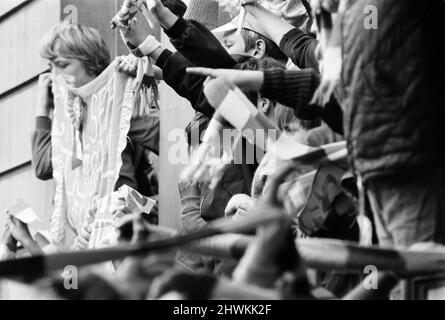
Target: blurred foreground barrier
{"x":327,"y":254}
{"x":219,"y":240}
{"x":40,"y":265}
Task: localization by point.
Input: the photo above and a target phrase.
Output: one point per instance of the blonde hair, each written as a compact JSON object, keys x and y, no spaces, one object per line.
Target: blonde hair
{"x":76,"y":41}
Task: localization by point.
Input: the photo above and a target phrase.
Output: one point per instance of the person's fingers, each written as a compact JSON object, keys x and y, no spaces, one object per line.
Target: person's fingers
{"x":85,"y":233}
{"x":131,"y":69}
{"x":118,"y":207}
{"x":132,"y":22}
{"x":140,"y":232}
{"x":117,"y":62}
{"x":232,"y":206}
{"x":271,"y":196}
{"x":118,"y":200}
{"x":13,"y":222}
{"x":118,"y":215}
{"x":127,"y":68}
{"x":124,"y":68}
{"x":6,"y":235}
{"x":208,"y":72}
{"x":132,"y":63}
{"x":20,"y":223}
{"x":45,"y":79}
{"x":217,"y":172}
{"x":159,"y":74}
{"x":121,"y":65}
{"x":10,"y":222}
{"x":207,"y":81}
{"x":45,"y":76}
{"x":82,"y":243}
{"x":126,"y":65}
{"x":118,"y":24}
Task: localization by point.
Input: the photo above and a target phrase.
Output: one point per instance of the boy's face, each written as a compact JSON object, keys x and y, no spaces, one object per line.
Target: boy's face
{"x":233,"y":42}
{"x":72,"y":71}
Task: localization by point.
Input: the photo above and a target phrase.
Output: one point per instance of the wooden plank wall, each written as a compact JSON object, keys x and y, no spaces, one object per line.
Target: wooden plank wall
{"x":21,"y":34}
{"x":16,"y":124}
{"x":8,"y":5}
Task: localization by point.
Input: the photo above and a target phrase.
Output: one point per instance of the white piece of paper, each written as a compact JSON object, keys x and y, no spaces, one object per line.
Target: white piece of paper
{"x":24,"y":213}
{"x":287,"y":149}
{"x":235,"y":111}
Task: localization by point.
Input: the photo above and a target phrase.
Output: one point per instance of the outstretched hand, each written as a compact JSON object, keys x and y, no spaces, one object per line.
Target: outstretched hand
{"x":273,"y":252}
{"x":129,"y":65}
{"x":19,"y":230}
{"x":238,"y":203}
{"x":8,"y":240}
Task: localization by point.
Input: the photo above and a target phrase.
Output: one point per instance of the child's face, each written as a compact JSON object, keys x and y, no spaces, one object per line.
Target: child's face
{"x":233,"y":42}
{"x":72,"y":71}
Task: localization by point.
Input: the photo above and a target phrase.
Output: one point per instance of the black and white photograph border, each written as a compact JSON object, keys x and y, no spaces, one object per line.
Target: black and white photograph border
{"x":195,"y":151}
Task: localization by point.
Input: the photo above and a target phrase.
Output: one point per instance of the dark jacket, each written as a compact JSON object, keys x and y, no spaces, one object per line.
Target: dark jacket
{"x":300,"y":47}
{"x":392,"y":86}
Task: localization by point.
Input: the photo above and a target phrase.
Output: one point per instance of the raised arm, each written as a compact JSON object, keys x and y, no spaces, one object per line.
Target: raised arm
{"x":293,"y":88}
{"x":173,"y":66}
{"x":299,"y":46}
{"x":193,"y":40}
{"x":42,"y":149}
{"x":41,"y":137}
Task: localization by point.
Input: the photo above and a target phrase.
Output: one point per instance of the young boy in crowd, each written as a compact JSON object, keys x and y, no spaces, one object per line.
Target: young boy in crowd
{"x":198,"y":46}
{"x":79,"y":54}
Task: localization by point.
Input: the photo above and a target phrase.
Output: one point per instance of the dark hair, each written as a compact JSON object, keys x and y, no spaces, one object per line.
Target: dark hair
{"x":255,"y":64}
{"x":272,"y":50}
{"x":196,"y":127}
{"x":288,"y":122}
{"x":78,"y":42}
{"x":267,"y":63}
{"x":285,"y":116}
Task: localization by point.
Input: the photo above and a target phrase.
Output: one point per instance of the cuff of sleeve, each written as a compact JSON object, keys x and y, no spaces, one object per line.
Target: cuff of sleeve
{"x":43,"y":123}
{"x":147,"y":47}
{"x":163,"y":58}
{"x":178,"y":29}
